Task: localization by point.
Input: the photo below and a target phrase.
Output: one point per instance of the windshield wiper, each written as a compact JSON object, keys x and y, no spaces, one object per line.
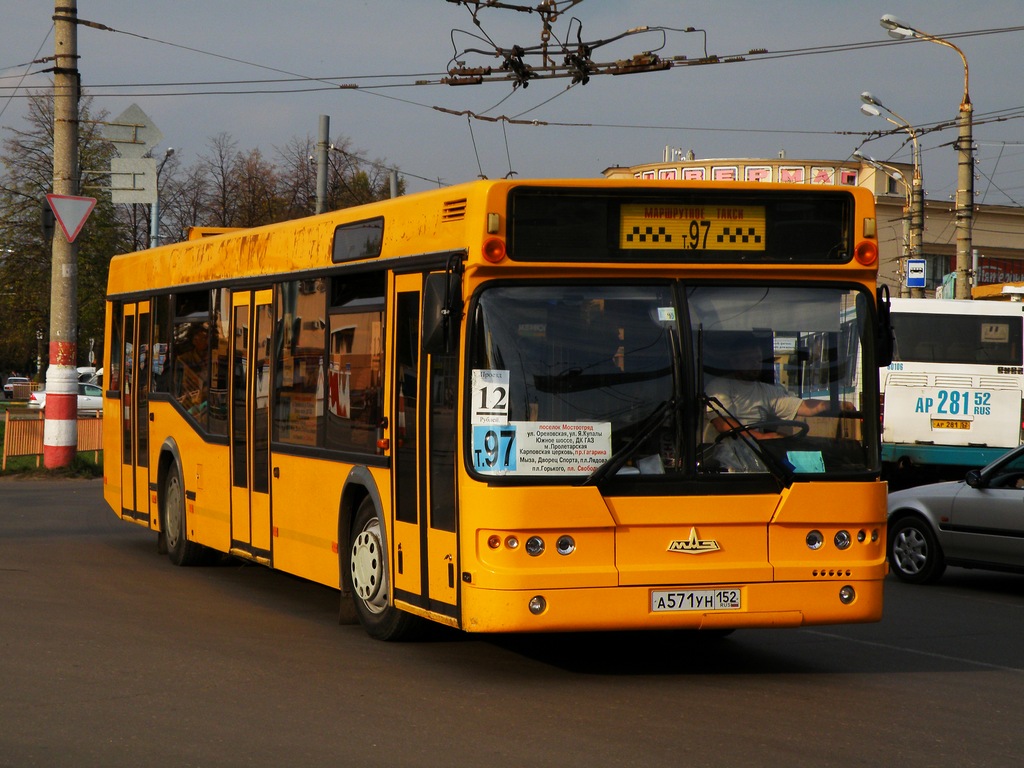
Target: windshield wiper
{"x":647,"y":428}
{"x":782,"y":471}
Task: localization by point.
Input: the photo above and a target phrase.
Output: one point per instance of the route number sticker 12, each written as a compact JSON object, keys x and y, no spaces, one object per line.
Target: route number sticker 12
{"x":490,"y":397}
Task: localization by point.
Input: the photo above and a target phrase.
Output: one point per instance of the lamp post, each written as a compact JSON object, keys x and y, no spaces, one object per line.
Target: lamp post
{"x":154,"y":209}
{"x":908,"y":233}
{"x":873,"y":108}
{"x":965,"y":164}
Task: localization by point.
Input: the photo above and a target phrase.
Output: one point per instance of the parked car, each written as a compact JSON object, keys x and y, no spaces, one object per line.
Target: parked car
{"x":90,"y":398}
{"x":9,"y":386}
{"x":977,"y":522}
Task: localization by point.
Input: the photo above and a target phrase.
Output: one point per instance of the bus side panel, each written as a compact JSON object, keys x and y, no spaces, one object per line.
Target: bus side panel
{"x":204,"y":471}
{"x":304,"y":514}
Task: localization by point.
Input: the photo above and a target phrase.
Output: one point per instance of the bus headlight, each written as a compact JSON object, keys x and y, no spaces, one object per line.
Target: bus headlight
{"x":537,"y":605}
{"x":815,"y":540}
{"x":534,"y":546}
{"x":847,"y":594}
{"x":842,"y":539}
{"x":565,"y":545}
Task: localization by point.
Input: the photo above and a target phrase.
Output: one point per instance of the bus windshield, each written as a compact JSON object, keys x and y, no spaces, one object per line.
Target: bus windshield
{"x":668,"y":379}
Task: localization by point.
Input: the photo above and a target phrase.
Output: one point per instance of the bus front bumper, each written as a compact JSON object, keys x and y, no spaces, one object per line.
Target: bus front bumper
{"x":771,"y":604}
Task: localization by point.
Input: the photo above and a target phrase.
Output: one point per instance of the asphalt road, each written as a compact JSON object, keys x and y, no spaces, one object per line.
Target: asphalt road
{"x":110,"y":656}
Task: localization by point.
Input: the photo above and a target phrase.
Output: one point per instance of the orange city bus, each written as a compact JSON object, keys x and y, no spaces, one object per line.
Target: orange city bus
{"x":494,"y":405}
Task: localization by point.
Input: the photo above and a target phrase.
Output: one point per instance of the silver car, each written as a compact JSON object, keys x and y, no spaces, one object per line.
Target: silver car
{"x":977,"y":522}
{"x":90,"y":398}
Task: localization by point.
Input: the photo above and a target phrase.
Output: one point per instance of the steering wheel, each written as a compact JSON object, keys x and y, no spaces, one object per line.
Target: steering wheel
{"x":801,"y":428}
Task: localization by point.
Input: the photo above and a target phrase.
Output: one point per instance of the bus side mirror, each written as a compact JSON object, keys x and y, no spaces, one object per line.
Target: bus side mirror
{"x":442,"y":311}
{"x":885,"y":340}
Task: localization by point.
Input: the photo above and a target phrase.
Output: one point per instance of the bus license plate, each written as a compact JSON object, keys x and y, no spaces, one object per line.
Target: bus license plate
{"x":695,"y":600}
{"x":950,"y":424}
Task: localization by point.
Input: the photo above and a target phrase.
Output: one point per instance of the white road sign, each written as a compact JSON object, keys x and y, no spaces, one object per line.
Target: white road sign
{"x":132,"y":132}
{"x":71,"y":212}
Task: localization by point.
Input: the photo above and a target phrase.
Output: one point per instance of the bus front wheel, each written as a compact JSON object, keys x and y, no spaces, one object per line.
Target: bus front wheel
{"x":371,"y":590}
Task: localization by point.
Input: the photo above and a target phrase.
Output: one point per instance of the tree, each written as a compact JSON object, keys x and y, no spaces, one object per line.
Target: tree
{"x":351,"y":180}
{"x":256,"y":184}
{"x":27,"y":159}
{"x":225,"y":187}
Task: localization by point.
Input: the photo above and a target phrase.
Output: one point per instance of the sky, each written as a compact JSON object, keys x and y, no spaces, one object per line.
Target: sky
{"x":200,"y":68}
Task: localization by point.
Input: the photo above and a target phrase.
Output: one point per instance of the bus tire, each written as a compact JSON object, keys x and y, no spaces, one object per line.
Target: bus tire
{"x":371,"y":589}
{"x":180,"y":550}
{"x":914,"y":553}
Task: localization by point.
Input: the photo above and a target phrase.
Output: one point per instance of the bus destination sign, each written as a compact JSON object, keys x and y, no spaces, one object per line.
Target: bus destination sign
{"x":696,"y":227}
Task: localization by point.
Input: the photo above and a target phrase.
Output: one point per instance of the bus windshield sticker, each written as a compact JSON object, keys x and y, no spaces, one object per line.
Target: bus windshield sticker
{"x":713,"y":227}
{"x":490,"y":397}
{"x":541,"y":448}
{"x":666,"y":314}
{"x":806,"y":461}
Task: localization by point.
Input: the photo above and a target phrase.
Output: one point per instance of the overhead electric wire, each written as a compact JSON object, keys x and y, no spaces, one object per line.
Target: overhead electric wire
{"x":406,"y":80}
{"x":7,"y":103}
{"x":333,"y":81}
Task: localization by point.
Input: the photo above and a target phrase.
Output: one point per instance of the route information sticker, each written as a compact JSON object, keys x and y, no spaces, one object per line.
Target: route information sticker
{"x":541,"y":448}
{"x":490,"y":396}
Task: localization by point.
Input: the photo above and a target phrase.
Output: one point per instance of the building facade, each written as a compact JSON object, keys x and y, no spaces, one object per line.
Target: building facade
{"x":997,"y":234}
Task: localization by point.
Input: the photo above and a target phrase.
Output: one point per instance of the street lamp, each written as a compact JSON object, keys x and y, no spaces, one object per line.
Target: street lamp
{"x":873,"y":108}
{"x":965,"y":146}
{"x":908,"y":231}
{"x":154,"y":209}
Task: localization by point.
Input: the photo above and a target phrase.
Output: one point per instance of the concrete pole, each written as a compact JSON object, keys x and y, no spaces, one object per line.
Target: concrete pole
{"x":393,"y":182}
{"x":321,"y":163}
{"x":917,"y":216}
{"x":154,"y":217}
{"x":60,"y":432}
{"x":964,"y":197}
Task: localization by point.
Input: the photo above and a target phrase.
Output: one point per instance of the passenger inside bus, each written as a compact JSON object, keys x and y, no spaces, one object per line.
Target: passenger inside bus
{"x":193,"y":368}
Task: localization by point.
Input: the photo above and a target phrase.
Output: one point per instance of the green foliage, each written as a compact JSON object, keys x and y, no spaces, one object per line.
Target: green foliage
{"x":25,"y":258}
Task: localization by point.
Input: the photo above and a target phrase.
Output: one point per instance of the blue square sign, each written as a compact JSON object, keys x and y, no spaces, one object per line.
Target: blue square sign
{"x":916,"y":273}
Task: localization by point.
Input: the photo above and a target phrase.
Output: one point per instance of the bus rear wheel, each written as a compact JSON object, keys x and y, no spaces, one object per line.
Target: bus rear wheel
{"x":180,"y":550}
{"x":371,"y":589}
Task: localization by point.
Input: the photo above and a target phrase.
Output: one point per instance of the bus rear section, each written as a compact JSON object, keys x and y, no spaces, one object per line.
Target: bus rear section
{"x":954,"y":391}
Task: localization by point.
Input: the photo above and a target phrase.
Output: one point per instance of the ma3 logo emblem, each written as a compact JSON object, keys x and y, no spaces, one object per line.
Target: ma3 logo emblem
{"x":693,"y":545}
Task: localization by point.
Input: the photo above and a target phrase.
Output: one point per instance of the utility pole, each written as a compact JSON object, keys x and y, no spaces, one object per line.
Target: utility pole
{"x":965,"y":157}
{"x":917,"y":217}
{"x":321,"y":163}
{"x":964,"y":193}
{"x":60,"y":432}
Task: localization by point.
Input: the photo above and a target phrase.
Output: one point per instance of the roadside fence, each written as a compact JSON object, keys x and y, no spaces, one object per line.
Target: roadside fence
{"x":23,"y":435}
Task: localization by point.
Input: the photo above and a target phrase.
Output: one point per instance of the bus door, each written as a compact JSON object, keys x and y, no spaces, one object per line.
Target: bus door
{"x":134,"y":419}
{"x":251,"y":325}
{"x":424,"y":544}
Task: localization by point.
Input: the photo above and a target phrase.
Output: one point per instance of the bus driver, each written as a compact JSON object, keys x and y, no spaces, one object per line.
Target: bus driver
{"x":751,"y":401}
